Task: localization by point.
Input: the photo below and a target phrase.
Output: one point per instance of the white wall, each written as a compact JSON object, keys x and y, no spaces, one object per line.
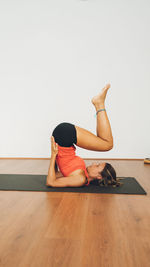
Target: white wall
{"x":56,"y":55}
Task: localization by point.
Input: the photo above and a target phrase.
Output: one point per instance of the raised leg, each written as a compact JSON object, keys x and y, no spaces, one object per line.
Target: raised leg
{"x":104,"y":140}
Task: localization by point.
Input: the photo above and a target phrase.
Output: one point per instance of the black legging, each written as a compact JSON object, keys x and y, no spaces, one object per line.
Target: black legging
{"x":65,"y":134}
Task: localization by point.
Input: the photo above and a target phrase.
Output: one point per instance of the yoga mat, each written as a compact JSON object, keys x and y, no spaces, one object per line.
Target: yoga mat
{"x":24,"y":182}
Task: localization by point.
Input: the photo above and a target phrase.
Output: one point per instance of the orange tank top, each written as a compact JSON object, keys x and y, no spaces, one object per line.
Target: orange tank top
{"x":68,"y":162}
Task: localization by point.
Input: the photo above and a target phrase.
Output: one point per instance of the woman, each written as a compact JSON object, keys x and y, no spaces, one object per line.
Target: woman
{"x":73,"y":171}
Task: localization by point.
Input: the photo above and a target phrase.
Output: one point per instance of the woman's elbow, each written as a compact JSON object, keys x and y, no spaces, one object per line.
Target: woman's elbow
{"x":47,"y":184}
{"x":110,"y":146}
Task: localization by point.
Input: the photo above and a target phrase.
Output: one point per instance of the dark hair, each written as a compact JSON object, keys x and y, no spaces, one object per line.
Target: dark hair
{"x":109,"y":177}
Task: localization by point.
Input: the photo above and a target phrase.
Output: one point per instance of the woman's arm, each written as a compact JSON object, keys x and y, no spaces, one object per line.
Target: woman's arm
{"x":70,"y":181}
{"x":51,"y":177}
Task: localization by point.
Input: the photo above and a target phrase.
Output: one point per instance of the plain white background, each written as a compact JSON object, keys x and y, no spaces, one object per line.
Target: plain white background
{"x":56,"y":55}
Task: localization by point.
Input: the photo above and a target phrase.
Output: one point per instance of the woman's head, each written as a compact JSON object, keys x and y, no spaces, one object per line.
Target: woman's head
{"x":95,"y":170}
{"x":103,"y":173}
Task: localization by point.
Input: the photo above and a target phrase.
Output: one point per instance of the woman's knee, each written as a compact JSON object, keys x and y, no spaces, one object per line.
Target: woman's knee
{"x":87,"y":140}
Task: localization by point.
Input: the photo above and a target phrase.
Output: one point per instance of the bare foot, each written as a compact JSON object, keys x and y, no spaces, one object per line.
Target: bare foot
{"x":100,"y":98}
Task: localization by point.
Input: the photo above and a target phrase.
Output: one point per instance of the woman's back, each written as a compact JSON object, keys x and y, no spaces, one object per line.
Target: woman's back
{"x":68,"y":161}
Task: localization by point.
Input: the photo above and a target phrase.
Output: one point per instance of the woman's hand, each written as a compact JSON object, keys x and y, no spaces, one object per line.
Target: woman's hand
{"x":54,"y":146}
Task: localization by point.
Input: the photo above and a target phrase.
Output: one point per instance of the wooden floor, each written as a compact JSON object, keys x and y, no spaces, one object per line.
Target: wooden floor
{"x":41,"y":229}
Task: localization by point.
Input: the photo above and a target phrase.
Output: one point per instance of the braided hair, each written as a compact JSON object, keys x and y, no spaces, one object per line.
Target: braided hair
{"x":109,"y":177}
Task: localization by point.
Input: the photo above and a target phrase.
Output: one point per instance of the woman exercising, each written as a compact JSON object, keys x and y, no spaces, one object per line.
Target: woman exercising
{"x":73,"y":171}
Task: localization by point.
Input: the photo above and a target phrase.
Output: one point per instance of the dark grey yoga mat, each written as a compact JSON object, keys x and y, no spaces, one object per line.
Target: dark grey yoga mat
{"x":24,"y":182}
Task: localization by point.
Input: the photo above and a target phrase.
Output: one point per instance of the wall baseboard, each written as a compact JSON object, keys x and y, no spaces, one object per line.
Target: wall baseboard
{"x":83,"y":158}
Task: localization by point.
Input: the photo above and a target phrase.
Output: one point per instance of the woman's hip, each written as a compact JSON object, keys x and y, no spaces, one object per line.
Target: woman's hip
{"x":65,"y":134}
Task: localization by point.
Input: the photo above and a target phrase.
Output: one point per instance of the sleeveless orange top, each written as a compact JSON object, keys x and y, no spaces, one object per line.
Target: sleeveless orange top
{"x":68,"y":162}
